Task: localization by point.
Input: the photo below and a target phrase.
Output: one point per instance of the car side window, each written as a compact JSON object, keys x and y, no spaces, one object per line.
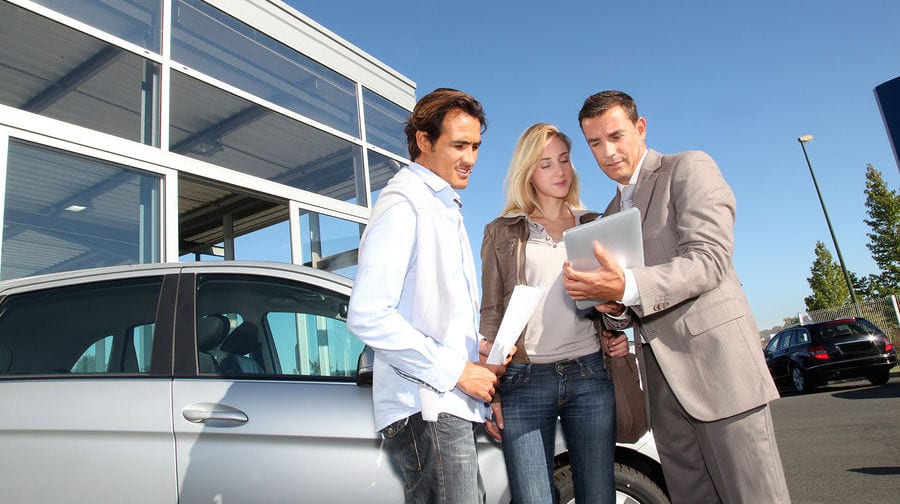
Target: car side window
{"x":94,"y":328}
{"x":772,"y":346}
{"x":97,"y":358}
{"x":785,"y":340}
{"x":801,"y":337}
{"x":314,"y":345}
{"x":256,"y":325}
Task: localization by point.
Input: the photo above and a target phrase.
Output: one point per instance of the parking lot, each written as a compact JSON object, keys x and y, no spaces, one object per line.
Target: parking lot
{"x":841,"y":443}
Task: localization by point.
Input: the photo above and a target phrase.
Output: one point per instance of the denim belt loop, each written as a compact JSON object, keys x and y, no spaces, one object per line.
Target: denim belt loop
{"x":582,"y":366}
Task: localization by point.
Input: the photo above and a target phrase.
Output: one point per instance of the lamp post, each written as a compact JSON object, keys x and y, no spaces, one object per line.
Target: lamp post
{"x":803,"y":140}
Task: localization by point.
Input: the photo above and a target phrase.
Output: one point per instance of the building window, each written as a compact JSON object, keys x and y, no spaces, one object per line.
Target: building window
{"x":222,"y":47}
{"x":330,"y":243}
{"x":271,"y":243}
{"x":55,"y":71}
{"x":220,"y":128}
{"x":136,"y":21}
{"x":385,"y":122}
{"x":65,"y":212}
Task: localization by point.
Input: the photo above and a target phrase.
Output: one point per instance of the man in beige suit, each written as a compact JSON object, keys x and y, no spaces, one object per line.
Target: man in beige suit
{"x":708,"y":386}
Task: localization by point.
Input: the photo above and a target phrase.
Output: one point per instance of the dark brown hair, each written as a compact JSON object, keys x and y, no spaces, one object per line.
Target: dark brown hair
{"x":597,"y":104}
{"x":429,"y":112}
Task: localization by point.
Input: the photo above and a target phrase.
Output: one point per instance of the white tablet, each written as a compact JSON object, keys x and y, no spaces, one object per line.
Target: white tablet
{"x":619,"y":234}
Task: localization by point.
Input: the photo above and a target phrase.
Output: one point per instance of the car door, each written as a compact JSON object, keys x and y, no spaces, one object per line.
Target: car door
{"x":798,"y":349}
{"x":269,"y":411}
{"x":769,"y":353}
{"x":776,"y":356}
{"x":86,"y":391}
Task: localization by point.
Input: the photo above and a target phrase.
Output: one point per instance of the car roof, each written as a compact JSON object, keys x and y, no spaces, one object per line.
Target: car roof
{"x":834,"y":321}
{"x":135,"y":270}
{"x":824,"y":323}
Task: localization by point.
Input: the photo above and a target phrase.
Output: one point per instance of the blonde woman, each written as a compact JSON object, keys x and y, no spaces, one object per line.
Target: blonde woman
{"x":557,"y":371}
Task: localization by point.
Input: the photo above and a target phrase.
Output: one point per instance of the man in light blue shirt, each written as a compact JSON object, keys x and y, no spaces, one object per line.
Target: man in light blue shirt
{"x":415,"y":302}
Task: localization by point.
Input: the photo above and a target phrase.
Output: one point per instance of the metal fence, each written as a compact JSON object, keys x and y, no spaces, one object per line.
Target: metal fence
{"x":881,"y":312}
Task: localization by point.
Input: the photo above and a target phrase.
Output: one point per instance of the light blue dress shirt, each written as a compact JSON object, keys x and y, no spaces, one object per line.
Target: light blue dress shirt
{"x":415,"y":299}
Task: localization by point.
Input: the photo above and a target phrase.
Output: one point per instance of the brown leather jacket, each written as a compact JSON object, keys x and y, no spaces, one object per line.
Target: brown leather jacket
{"x":502,"y":268}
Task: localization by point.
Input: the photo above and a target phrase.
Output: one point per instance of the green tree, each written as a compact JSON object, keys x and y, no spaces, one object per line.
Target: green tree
{"x":883,"y":209}
{"x":829,"y":289}
{"x":864,"y":286}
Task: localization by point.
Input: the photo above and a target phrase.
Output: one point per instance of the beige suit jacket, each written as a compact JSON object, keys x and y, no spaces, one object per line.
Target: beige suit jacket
{"x":693,"y":311}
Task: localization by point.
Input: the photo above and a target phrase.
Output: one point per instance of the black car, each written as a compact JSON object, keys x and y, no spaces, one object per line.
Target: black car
{"x":808,"y":355}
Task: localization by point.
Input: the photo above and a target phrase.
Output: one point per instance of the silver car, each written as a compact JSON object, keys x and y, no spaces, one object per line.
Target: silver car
{"x":212,"y":383}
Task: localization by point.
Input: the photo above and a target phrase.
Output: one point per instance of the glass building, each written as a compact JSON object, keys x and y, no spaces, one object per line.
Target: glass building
{"x":136,"y":131}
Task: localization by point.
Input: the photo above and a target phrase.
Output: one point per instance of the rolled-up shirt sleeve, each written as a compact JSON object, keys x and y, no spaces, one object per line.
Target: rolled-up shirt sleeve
{"x":375,"y":317}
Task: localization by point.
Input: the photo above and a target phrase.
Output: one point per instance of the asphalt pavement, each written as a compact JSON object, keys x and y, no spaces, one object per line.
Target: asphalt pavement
{"x":840,"y":444}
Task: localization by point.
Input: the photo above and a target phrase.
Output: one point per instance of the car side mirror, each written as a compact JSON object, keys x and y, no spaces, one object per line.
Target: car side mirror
{"x":364,"y":367}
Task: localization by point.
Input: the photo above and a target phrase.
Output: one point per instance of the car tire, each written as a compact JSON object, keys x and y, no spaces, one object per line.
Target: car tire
{"x":632,"y":486}
{"x":800,"y":381}
{"x":879,"y":376}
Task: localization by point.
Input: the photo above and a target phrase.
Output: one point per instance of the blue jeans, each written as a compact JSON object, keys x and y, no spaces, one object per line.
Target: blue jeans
{"x":436,"y":460}
{"x":579,"y":393}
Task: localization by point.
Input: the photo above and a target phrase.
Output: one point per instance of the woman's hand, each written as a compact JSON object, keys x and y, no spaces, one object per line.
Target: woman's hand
{"x":494,"y":425}
{"x":614,"y":343}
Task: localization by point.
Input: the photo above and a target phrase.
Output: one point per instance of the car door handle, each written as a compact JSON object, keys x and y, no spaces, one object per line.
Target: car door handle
{"x":213,"y":413}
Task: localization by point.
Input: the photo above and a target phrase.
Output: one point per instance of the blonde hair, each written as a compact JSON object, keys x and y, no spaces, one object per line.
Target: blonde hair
{"x":521,"y":195}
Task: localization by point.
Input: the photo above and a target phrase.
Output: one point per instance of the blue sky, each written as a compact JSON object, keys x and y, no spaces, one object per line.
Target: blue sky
{"x":741,"y":82}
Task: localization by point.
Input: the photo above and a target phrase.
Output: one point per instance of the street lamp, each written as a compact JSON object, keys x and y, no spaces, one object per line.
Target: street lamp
{"x":803,"y":140}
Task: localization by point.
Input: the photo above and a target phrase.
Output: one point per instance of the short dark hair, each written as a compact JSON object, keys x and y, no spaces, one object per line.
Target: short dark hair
{"x":597,"y":104}
{"x":429,"y":112}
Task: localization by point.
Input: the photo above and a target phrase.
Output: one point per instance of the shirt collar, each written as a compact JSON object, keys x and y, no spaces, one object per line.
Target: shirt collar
{"x":637,"y":170}
{"x":439,"y":186}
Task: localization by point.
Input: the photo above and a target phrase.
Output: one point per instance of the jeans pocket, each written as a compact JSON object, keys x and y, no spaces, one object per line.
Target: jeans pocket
{"x":395,"y":428}
{"x":400,"y":440}
{"x":516,"y":375}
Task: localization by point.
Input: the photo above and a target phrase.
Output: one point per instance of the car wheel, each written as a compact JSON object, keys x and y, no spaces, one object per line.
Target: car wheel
{"x":799,"y":380}
{"x":879,"y":376}
{"x":632,"y":486}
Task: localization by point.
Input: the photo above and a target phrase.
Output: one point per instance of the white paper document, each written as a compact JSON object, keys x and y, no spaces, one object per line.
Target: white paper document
{"x":522,"y":303}
{"x":430,"y":400}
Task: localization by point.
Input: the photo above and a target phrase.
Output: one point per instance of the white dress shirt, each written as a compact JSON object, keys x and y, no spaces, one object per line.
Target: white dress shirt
{"x":415,"y":299}
{"x":631,"y":296}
